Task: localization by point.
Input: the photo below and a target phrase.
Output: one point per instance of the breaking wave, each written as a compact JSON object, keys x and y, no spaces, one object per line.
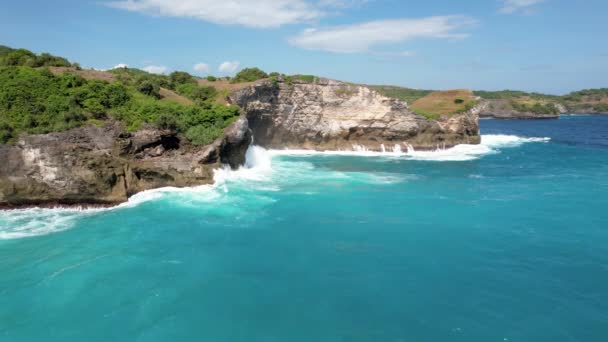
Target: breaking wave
{"x":490,"y":143}
{"x":264,"y":173}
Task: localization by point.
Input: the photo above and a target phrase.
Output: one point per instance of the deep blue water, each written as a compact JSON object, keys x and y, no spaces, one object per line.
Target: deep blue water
{"x":507,"y":241}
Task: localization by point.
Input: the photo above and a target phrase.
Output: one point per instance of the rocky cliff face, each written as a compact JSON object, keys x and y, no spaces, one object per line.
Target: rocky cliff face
{"x":331,"y":115}
{"x":104,"y":166}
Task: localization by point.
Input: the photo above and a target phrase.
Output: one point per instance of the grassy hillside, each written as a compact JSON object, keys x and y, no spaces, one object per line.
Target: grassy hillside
{"x":514,"y":94}
{"x":408,"y":95}
{"x":44,"y":93}
{"x":439,"y":103}
{"x":588,"y":99}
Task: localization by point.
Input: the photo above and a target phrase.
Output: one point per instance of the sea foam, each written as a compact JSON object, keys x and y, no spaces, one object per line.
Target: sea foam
{"x":490,"y":143}
{"x":258,"y":174}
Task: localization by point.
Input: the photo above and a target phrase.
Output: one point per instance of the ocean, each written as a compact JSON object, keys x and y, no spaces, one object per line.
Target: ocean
{"x":503,"y":241}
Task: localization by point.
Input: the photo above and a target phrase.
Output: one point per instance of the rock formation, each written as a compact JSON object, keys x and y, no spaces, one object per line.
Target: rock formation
{"x":332,"y":115}
{"x":104,"y":165}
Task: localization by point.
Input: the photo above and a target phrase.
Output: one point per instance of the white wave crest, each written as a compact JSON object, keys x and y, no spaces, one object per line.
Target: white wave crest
{"x":490,"y":143}
{"x":258,"y":173}
{"x":501,"y":140}
{"x":20,"y":223}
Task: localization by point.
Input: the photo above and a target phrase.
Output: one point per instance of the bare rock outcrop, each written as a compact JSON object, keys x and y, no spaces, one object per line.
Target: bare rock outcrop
{"x":332,"y":115}
{"x":105,"y":165}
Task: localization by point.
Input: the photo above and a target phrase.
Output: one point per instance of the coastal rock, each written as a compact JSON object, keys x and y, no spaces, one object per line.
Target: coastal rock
{"x":333,"y":115}
{"x":104,"y":165}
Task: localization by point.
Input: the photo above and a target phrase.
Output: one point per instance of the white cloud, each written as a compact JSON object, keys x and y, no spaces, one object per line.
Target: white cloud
{"x":203,"y":68}
{"x":394,"y":53}
{"x":341,"y":3}
{"x":361,"y":37}
{"x":259,"y":13}
{"x":155,"y":69}
{"x":121,"y":65}
{"x":229,"y":67}
{"x":514,"y":6}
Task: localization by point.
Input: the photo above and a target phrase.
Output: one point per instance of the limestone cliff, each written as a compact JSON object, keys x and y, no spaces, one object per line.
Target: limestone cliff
{"x":332,"y":115}
{"x":105,"y":165}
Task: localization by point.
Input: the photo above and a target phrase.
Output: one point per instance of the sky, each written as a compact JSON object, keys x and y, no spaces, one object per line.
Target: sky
{"x":551,"y":46}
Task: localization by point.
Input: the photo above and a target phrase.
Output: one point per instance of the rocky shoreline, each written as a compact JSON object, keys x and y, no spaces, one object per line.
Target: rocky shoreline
{"x":95,"y":166}
{"x":103,"y":166}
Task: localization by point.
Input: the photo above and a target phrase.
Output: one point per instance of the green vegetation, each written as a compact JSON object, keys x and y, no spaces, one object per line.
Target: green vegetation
{"x":34,"y":100}
{"x":196,"y":93}
{"x":211,"y":78}
{"x":408,"y":95}
{"x":537,"y":108}
{"x":203,"y":135}
{"x":305,"y":78}
{"x":23,"y":57}
{"x":601,"y":107}
{"x":514,"y":94}
{"x":587,"y":94}
{"x":249,"y":75}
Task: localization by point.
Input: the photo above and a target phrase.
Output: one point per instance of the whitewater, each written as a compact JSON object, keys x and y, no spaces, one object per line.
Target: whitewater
{"x":259,"y":172}
{"x":502,"y":241}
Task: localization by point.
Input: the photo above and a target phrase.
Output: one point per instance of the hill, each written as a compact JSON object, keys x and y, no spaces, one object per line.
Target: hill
{"x":514,"y":103}
{"x":45,"y":93}
{"x":439,"y":103}
{"x":408,"y":95}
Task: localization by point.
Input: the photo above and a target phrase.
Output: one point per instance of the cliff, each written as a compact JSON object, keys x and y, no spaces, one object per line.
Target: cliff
{"x":105,"y":165}
{"x":333,"y":115}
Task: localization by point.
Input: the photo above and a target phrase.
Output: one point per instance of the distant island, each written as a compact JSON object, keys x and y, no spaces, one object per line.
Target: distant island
{"x":74,"y":136}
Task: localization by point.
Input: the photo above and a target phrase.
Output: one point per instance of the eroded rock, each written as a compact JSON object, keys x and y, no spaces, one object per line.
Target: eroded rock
{"x":332,"y":115}
{"x":105,"y":165}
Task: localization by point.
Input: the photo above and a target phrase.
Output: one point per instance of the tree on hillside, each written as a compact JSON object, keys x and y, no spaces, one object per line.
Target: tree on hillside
{"x":249,"y":75}
{"x":181,"y":77}
{"x":149,"y":88}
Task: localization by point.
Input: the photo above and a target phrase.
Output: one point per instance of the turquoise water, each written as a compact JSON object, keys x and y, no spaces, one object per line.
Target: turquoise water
{"x":506,"y":241}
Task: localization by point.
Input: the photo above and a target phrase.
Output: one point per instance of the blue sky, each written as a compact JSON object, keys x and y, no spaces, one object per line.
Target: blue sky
{"x":553,"y":46}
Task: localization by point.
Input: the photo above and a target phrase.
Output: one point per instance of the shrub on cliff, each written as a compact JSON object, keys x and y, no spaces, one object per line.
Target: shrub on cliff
{"x":305,"y":78}
{"x":249,"y":75}
{"x":196,"y":92}
{"x":149,"y":88}
{"x":6,"y":132}
{"x":181,"y":77}
{"x":203,"y":135}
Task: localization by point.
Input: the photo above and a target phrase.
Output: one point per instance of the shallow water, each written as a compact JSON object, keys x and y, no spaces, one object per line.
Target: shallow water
{"x":504,"y":241}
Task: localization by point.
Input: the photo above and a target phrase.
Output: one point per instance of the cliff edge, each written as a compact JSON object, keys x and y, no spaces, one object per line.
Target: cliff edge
{"x":94,"y":165}
{"x":332,"y":115}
